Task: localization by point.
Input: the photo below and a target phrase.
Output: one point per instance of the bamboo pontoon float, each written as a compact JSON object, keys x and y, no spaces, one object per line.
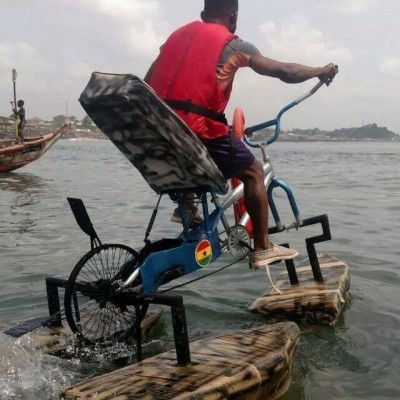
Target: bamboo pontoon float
{"x":252,"y":364}
{"x":307,"y":300}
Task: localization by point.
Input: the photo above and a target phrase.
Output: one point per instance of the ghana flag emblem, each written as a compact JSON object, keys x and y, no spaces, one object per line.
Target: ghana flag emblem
{"x":203,"y":253}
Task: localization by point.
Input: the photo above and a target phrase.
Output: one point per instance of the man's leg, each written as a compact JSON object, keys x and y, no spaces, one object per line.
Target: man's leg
{"x":191,"y":210}
{"x":19,"y":131}
{"x":245,"y":167}
{"x":256,"y":203}
{"x":21,"y":127}
{"x":250,"y":171}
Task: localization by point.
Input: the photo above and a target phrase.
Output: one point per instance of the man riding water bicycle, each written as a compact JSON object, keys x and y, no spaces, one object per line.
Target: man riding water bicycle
{"x":194,"y":74}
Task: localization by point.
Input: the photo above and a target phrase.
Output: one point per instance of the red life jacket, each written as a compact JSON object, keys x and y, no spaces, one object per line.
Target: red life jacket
{"x":186,"y":71}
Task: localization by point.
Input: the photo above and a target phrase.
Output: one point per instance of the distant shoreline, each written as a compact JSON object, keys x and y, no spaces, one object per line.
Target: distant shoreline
{"x":369,"y":133}
{"x":281,"y":139}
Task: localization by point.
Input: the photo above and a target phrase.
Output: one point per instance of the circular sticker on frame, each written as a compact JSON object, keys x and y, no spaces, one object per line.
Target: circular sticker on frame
{"x":203,"y":253}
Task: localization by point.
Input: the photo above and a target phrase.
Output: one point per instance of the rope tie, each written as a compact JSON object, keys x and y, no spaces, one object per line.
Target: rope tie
{"x":267,"y":270}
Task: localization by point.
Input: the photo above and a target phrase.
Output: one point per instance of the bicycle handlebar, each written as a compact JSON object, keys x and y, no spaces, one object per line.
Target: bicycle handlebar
{"x":277,"y":121}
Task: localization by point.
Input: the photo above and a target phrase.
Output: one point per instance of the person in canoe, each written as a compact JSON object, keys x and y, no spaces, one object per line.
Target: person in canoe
{"x":194,"y":73}
{"x":20,"y":113}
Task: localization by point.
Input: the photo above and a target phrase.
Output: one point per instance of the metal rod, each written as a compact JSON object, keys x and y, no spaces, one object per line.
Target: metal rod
{"x":181,"y":336}
{"x":14,"y":79}
{"x":178,"y":314}
{"x":291,"y":269}
{"x":312,"y":256}
{"x":53,"y":301}
{"x":310,"y":243}
{"x":152,"y":219}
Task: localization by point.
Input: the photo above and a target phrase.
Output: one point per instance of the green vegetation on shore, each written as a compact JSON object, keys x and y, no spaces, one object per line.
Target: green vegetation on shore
{"x":367,"y":133}
{"x":370,"y":132}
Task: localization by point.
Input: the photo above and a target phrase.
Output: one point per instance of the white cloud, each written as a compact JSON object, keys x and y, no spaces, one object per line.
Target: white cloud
{"x":127,"y":10}
{"x":23,"y":54}
{"x":391,"y":67}
{"x":80,"y":70}
{"x":352,"y":6}
{"x":295,"y":40}
{"x":138,"y":24}
{"x":31,"y":66}
{"x":145,"y":42}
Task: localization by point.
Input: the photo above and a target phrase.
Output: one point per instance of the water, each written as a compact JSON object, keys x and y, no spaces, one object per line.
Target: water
{"x":356,"y":184}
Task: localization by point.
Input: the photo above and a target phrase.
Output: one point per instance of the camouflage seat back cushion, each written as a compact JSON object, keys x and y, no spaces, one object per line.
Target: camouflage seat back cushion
{"x":150,"y":135}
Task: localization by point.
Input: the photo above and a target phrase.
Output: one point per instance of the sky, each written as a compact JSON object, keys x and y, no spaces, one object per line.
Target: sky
{"x":56,"y":44}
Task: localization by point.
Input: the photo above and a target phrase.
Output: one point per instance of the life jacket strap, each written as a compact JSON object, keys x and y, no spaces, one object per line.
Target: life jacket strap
{"x":187,"y":106}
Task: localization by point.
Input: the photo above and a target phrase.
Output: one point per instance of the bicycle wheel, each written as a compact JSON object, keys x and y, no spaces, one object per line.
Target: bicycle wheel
{"x":89,"y":307}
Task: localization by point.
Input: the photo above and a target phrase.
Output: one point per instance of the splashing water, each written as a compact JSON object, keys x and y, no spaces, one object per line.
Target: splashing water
{"x":26,"y":373}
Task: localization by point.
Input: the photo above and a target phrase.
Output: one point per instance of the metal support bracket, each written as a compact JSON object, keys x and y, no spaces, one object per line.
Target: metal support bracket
{"x":141,"y":302}
{"x":310,"y":245}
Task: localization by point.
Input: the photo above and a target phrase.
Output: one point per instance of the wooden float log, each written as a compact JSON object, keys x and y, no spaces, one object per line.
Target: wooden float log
{"x":309,"y":301}
{"x":57,"y":340}
{"x":247,"y":365}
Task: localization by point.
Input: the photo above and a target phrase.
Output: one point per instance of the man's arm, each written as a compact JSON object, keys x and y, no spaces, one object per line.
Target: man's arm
{"x":291,"y":72}
{"x":19,"y":112}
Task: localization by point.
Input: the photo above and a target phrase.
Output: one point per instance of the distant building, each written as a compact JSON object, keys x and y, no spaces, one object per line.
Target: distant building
{"x":60,"y":120}
{"x":35,"y":121}
{"x":6,"y":121}
{"x":71,"y":120}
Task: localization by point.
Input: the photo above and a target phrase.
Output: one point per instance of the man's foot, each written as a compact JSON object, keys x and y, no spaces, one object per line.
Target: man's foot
{"x":176,"y":217}
{"x":262,"y":258}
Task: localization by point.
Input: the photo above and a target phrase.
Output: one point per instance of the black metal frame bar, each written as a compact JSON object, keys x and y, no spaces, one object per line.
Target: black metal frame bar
{"x":310,"y":245}
{"x":178,"y":314}
{"x":175,"y":302}
{"x":53,"y":299}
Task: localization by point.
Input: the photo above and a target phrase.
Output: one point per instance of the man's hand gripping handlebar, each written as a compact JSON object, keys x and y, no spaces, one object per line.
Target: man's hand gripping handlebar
{"x":330,"y":71}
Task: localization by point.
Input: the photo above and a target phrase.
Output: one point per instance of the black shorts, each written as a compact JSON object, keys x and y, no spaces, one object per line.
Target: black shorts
{"x":230,"y":165}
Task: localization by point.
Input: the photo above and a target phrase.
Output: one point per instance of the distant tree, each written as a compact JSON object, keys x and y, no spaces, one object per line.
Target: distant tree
{"x":59,"y":120}
{"x":87,"y":122}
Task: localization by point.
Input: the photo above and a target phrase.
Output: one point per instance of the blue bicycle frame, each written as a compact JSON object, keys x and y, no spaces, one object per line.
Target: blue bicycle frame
{"x":200,"y":245}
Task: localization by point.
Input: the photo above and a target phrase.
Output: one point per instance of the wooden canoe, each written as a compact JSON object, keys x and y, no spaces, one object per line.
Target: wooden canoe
{"x":15,"y":155}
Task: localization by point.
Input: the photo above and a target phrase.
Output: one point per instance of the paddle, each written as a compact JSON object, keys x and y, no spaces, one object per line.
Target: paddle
{"x":29,"y":326}
{"x":14,"y":80}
